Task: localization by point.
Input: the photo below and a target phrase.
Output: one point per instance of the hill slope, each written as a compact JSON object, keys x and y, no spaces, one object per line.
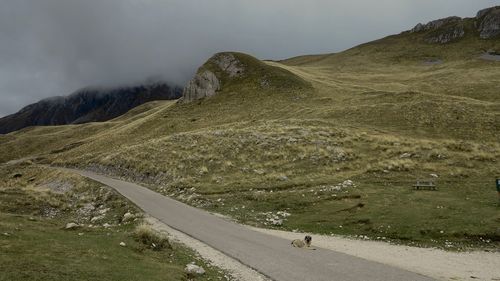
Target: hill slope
{"x":87,"y":105}
{"x":335,"y":140}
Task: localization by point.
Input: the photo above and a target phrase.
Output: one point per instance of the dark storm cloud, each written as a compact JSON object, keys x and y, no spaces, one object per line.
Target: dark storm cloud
{"x":53,"y":47}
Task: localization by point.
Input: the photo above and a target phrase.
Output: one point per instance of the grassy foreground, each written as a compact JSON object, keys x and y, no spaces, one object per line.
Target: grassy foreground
{"x":35,"y":246}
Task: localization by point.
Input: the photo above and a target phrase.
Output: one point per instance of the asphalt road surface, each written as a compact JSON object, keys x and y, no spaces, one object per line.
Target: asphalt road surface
{"x":272,"y":256}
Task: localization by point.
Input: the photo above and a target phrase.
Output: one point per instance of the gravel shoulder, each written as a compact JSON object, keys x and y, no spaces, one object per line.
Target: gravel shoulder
{"x":439,"y":264}
{"x":234,"y":268}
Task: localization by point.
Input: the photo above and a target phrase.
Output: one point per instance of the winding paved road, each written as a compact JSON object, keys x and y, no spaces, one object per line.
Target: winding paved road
{"x":271,"y":256}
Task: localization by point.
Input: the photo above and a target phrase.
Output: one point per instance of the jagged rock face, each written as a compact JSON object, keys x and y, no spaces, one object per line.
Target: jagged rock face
{"x":447,"y":30}
{"x":435,"y":24}
{"x":206,"y":83}
{"x":488,"y":23}
{"x":447,"y":35}
{"x":450,"y":29}
{"x":88,"y":105}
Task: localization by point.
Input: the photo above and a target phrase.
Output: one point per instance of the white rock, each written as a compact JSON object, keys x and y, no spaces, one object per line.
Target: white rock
{"x":71,"y":225}
{"x":128,"y":217}
{"x":103,"y":211}
{"x":123,"y":244}
{"x":283,"y":178}
{"x":283,"y":214}
{"x":277,"y":222}
{"x":106,"y":225}
{"x":193,"y":269}
{"x":96,"y":218}
{"x":347,"y":183}
{"x":405,"y":155}
{"x":434,"y":175}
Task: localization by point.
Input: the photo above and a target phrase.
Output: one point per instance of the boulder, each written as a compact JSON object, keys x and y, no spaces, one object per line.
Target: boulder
{"x":71,"y":226}
{"x":488,"y":23}
{"x":193,"y":270}
{"x":123,"y":244}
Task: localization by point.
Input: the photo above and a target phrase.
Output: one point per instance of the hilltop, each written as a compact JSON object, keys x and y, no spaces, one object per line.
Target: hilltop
{"x":226,"y":72}
{"x":322,"y":143}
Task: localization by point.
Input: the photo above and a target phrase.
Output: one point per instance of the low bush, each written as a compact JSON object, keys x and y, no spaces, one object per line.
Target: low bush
{"x":153,"y":239}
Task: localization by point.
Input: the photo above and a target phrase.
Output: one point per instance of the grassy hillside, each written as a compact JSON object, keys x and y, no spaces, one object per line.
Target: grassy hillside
{"x":381,"y":115}
{"x":35,"y":205}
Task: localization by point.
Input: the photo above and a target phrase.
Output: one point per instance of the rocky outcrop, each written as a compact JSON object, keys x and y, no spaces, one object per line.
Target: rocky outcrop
{"x":206,"y":83}
{"x":228,"y":63}
{"x":435,"y":24}
{"x":488,"y":23}
{"x":241,"y":73}
{"x":442,"y":31}
{"x":87,"y":105}
{"x":446,"y":35}
{"x":450,"y":29}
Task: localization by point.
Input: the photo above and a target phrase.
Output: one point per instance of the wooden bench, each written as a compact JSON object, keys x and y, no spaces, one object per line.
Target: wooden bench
{"x":425,"y":184}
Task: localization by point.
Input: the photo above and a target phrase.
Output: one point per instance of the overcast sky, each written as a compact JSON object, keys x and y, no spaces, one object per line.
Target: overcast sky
{"x":54,"y":47}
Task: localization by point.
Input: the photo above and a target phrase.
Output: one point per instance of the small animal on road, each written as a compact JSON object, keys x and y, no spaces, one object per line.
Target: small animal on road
{"x":306,"y":243}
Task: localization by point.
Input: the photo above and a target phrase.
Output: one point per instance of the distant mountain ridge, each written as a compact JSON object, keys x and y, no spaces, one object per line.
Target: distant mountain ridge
{"x":486,"y":25}
{"x":87,"y":105}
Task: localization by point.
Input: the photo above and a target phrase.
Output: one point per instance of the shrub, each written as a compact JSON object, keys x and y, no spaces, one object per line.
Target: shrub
{"x":151,"y":238}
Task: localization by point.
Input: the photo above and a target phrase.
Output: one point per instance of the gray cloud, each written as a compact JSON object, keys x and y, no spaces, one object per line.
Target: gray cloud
{"x":53,"y":47}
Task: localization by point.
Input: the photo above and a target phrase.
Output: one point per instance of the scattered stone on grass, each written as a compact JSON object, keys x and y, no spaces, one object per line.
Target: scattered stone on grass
{"x":97,"y":218}
{"x":128,"y":217}
{"x":192,"y":270}
{"x":71,"y":226}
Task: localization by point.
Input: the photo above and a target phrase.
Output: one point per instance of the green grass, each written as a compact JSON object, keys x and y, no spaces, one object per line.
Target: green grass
{"x":35,"y":246}
{"x":461,"y":215}
{"x":321,"y":120}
